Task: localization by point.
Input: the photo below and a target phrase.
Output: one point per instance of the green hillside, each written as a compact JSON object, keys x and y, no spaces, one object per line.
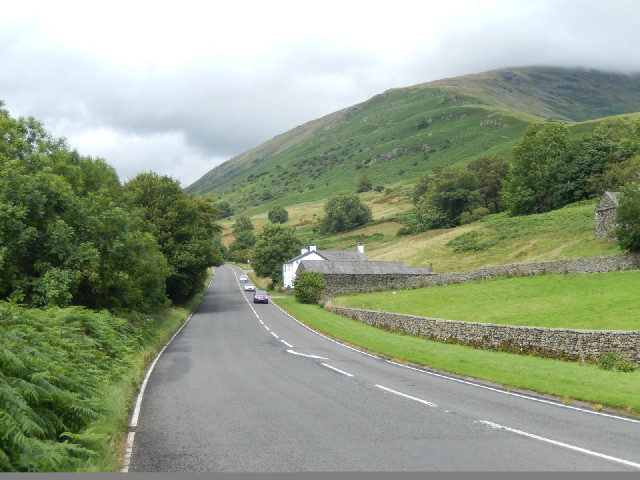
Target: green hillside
{"x":403,"y":133}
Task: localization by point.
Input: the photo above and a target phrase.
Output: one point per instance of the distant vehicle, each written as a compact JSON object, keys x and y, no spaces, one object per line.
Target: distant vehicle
{"x":260,"y":297}
{"x":249,"y":287}
{"x":244,"y":278}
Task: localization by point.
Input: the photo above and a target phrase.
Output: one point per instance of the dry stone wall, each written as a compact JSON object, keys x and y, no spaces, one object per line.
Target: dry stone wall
{"x":339,"y":284}
{"x":548,"y":342}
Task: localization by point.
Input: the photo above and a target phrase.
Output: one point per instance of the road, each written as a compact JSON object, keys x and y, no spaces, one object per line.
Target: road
{"x":246,"y":388}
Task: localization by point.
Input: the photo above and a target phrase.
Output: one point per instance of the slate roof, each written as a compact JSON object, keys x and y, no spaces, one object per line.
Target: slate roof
{"x":335,"y":256}
{"x":364,"y":268}
{"x":608,"y":200}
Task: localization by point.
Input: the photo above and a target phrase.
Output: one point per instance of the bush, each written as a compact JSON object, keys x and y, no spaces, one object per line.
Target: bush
{"x":308,"y":286}
{"x":616,"y":361}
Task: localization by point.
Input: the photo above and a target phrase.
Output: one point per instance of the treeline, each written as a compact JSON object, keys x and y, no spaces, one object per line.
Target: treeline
{"x":549,"y":171}
{"x":71,"y":234}
{"x":86,"y":263}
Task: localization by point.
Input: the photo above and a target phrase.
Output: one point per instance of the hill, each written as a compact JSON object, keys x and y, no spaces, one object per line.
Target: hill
{"x":406,"y":132}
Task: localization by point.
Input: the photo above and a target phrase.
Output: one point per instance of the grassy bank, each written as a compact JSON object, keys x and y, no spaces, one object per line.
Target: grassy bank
{"x":68,"y":378}
{"x":605,"y":301}
{"x":570,"y":381}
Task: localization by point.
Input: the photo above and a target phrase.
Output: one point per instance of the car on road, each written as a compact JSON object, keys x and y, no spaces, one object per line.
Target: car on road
{"x":244,"y":278}
{"x":249,"y":287}
{"x":260,"y":297}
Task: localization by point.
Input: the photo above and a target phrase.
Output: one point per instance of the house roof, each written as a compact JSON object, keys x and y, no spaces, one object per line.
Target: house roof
{"x":608,"y":200}
{"x":334,"y":255}
{"x":364,"y":268}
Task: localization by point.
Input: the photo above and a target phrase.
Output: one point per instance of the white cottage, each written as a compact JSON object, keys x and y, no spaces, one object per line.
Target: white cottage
{"x":289,"y":268}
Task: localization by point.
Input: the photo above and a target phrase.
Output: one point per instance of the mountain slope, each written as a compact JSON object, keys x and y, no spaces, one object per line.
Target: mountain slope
{"x":406,"y":132}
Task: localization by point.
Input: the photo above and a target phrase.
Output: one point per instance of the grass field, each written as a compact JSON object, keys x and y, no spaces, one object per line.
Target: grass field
{"x":604,"y":301}
{"x":567,"y":380}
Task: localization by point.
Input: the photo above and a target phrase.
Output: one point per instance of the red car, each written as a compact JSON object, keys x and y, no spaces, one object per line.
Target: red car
{"x":260,"y":297}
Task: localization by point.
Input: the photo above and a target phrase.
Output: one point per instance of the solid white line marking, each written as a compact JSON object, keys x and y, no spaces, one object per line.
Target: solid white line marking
{"x":293,"y":352}
{"x":274,"y":335}
{"x":446,"y":377}
{"x":136,"y":410}
{"x":407,"y":396}
{"x":337,"y":370}
{"x":563,"y":445}
{"x":287,"y":344}
{"x":513,"y":394}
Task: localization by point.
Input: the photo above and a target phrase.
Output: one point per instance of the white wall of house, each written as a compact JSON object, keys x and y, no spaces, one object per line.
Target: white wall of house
{"x":289,"y":269}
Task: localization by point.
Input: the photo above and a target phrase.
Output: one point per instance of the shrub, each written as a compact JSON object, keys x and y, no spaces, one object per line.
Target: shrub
{"x":616,"y":361}
{"x":308,"y":286}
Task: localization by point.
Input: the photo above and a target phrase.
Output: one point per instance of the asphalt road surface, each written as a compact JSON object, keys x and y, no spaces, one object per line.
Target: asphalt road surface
{"x":246,"y":388}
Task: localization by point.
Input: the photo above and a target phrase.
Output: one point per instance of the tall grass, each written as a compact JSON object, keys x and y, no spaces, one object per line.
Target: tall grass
{"x":68,"y":377}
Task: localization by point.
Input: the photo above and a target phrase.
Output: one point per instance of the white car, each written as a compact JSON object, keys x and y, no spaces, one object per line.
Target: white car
{"x":244,"y":278}
{"x":249,"y":287}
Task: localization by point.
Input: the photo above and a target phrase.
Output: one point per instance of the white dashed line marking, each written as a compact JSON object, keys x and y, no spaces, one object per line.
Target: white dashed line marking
{"x":293,"y":352}
{"x":274,"y":335}
{"x":563,"y":445}
{"x":337,"y":370}
{"x":419,"y":400}
{"x":287,"y":344}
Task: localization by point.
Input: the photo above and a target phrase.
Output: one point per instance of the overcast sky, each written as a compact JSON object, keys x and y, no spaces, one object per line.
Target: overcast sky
{"x":179,"y":87}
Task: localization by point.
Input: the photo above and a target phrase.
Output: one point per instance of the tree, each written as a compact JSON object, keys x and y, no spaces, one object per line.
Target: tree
{"x":278,"y":215}
{"x":448,"y":195}
{"x":627,"y":229}
{"x":240,"y":248}
{"x":275,"y":245}
{"x":242,"y":224}
{"x":343,"y":213}
{"x":490,"y":172}
{"x":363,"y":184}
{"x":308,"y":286}
{"x":68,"y":235}
{"x":537,"y":158}
{"x":184,"y":227}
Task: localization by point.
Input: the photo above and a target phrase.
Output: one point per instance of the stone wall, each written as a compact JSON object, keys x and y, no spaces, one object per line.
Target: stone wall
{"x":549,"y":342}
{"x":348,"y":283}
{"x":339,"y":284}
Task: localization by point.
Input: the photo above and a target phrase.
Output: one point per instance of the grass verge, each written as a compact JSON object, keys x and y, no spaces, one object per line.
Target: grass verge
{"x":568,"y":380}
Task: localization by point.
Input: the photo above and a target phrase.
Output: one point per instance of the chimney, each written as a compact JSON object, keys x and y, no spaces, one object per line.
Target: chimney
{"x":303,"y":251}
{"x":361,"y":248}
{"x":312,"y":248}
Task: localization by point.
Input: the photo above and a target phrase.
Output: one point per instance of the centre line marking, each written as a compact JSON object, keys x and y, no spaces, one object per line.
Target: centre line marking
{"x":293,"y":352}
{"x":272,"y":333}
{"x":560,"y":444}
{"x":337,"y":370}
{"x":287,"y":344}
{"x":407,"y":396}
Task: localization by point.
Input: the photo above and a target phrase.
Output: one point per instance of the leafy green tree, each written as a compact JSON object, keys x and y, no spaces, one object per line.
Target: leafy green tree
{"x":627,"y":229}
{"x":185,"y":228}
{"x":67,"y":233}
{"x":278,"y":215}
{"x":275,"y":245}
{"x":614,"y":176}
{"x":240,"y":248}
{"x":537,"y":158}
{"x":343,"y":213}
{"x":225,"y":209}
{"x":308,"y":286}
{"x":491,"y":172}
{"x":587,"y":158}
{"x":448,"y":195}
{"x":242,"y":224}
{"x":363,"y":184}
